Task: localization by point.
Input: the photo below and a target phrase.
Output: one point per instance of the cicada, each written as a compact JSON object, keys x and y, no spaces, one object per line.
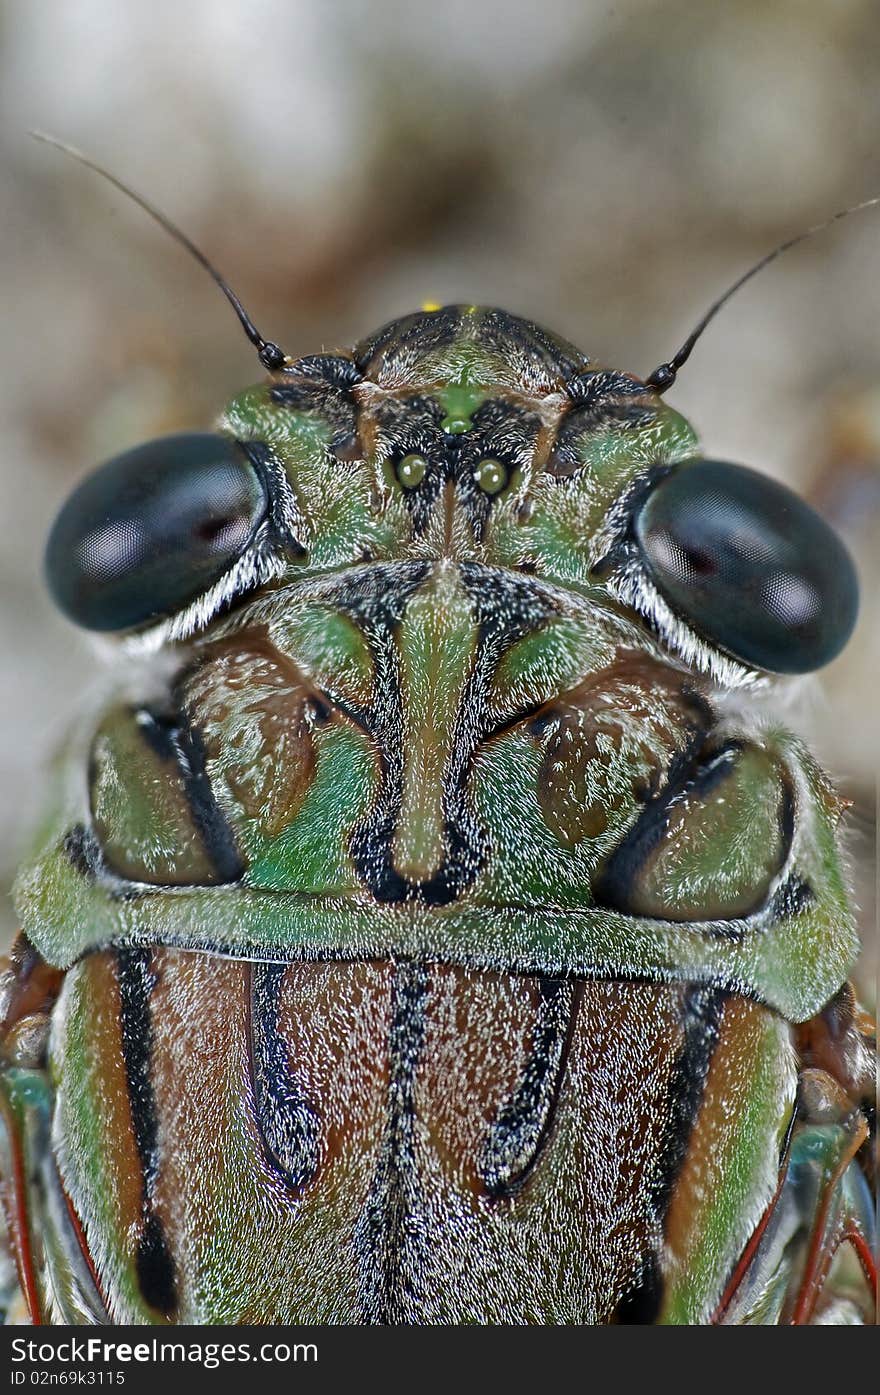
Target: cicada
{"x":435,"y":924}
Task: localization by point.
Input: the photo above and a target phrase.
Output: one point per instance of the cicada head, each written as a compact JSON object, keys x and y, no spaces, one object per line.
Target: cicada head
{"x":456,"y":613}
{"x":442,"y":825}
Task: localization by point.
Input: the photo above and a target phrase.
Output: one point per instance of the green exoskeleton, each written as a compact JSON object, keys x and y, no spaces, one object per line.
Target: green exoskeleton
{"x":434,"y":927}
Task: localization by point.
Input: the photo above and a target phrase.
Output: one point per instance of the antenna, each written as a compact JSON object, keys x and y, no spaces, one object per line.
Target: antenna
{"x":272,"y":356}
{"x":665,"y":375}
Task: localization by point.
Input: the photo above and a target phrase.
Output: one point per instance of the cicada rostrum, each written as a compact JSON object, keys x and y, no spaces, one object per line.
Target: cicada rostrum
{"x":436,"y":925}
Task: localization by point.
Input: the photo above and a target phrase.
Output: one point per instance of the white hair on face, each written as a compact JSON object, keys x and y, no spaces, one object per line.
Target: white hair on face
{"x":261,"y":563}
{"x":630,"y":584}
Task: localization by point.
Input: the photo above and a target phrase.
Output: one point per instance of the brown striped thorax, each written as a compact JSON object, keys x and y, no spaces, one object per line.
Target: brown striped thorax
{"x":444,"y":931}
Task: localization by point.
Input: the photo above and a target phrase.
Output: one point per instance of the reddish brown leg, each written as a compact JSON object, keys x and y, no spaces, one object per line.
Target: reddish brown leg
{"x":823,"y":1198}
{"x":28,"y":990}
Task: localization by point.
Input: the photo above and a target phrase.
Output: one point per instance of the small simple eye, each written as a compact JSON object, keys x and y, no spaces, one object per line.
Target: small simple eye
{"x":491,"y":476}
{"x":150,"y":530}
{"x":411,"y":470}
{"x":750,"y":565}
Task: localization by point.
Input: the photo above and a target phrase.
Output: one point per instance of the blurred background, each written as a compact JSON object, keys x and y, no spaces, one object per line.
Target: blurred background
{"x":605,"y":169}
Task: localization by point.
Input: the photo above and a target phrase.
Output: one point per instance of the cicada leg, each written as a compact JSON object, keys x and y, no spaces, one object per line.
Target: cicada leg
{"x":28,"y":990}
{"x":22,"y":1299}
{"x":43,"y":1242}
{"x":787,"y":1272}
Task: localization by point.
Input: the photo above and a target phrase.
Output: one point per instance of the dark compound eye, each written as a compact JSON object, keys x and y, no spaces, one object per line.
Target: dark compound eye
{"x":152,"y":529}
{"x":749,"y":565}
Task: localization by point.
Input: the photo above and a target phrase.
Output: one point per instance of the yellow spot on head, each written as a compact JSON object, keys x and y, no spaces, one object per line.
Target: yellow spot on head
{"x":429,"y":306}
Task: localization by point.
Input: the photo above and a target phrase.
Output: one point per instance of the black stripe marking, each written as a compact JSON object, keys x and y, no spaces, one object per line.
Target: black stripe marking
{"x":173,"y":739}
{"x":289,"y":1126}
{"x":417,"y":334}
{"x":702,"y":1011}
{"x":322,"y":383}
{"x":790,"y":899}
{"x":594,"y":389}
{"x":83,"y":851}
{"x":270,"y":472}
{"x":154,"y":1263}
{"x":506,"y":608}
{"x":640,"y":1305}
{"x":509,"y":334}
{"x":693,"y":773}
{"x":599,"y":399}
{"x":334,"y":370}
{"x":389,"y":1242}
{"x":378,"y":612}
{"x":525,"y":1123}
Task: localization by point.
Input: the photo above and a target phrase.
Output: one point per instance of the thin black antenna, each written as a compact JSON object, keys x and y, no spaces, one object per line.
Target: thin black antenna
{"x":271,"y":355}
{"x":664,"y":376}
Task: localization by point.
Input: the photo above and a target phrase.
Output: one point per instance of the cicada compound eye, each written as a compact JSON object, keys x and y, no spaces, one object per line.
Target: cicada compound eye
{"x":152,"y":529}
{"x":749,"y":565}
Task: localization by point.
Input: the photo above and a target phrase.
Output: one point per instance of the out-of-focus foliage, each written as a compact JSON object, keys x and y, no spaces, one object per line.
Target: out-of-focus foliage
{"x":604,"y":169}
